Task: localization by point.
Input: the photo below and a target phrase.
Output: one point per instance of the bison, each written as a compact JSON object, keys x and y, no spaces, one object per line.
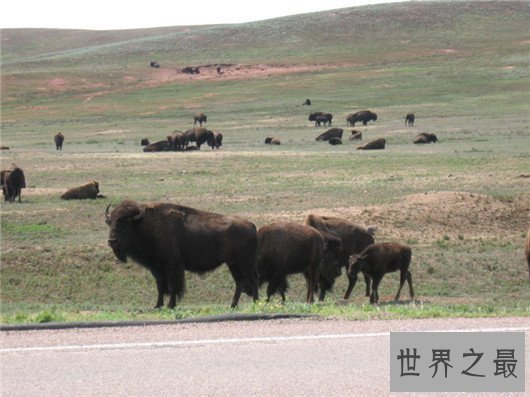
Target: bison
{"x":144,"y":142}
{"x":335,"y":141}
{"x":176,"y":141}
{"x":168,"y":239}
{"x":272,"y":140}
{"x":376,"y":144}
{"x":199,"y":135}
{"x":354,"y":239}
{"x":287,"y":248}
{"x":12,"y":181}
{"x":364,"y":116}
{"x":409,"y":119}
{"x":307,"y":102}
{"x":191,"y":70}
{"x":321,"y":117}
{"x":527,"y":251}
{"x":58,"y":139}
{"x":425,"y":138}
{"x":331,"y":133}
{"x":199,"y":118}
{"x":218,"y":139}
{"x":160,"y":146}
{"x":87,"y":191}
{"x":4,"y":147}
{"x":356,"y":136}
{"x":154,"y":64}
{"x":378,"y":259}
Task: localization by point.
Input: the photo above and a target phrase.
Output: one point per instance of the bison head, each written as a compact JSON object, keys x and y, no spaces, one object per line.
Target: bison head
{"x":332,"y":256}
{"x":122,"y":222}
{"x":312,"y":117}
{"x":356,"y":264}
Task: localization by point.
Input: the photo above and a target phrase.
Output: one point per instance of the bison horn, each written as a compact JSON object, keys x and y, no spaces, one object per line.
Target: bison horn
{"x":107,"y":216}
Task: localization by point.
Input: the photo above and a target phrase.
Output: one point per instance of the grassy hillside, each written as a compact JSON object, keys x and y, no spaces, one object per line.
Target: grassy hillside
{"x":462,"y":204}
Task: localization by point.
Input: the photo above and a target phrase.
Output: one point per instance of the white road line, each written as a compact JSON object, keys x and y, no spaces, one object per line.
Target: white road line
{"x":199,"y":342}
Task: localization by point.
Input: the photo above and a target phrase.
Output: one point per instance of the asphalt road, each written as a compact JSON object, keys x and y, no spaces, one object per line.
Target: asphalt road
{"x":275,"y":357}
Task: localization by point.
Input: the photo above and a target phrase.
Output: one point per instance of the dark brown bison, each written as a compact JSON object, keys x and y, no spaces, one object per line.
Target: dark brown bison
{"x":58,"y":139}
{"x":335,"y":141}
{"x":287,"y":248}
{"x":354,"y":240}
{"x":160,"y":146}
{"x":218,"y":68}
{"x":425,"y":138}
{"x":307,"y":102}
{"x":191,"y":70}
{"x":87,"y":191}
{"x":144,"y":142}
{"x":321,"y":117}
{"x":12,"y":181}
{"x":376,"y":144}
{"x":363,"y":116}
{"x":331,"y":133}
{"x":409,"y":119}
{"x":272,"y":140}
{"x":4,"y":147}
{"x":168,"y":239}
{"x":199,"y":118}
{"x":527,"y":252}
{"x":378,"y":259}
{"x":218,"y":138}
{"x":176,"y":141}
{"x":154,"y":64}
{"x":199,"y":135}
{"x":356,"y":136}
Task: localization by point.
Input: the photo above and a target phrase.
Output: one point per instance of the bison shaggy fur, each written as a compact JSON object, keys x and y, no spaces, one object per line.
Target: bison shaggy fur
{"x":199,"y":135}
{"x":363,"y":116}
{"x":12,"y":181}
{"x":168,"y":239}
{"x":378,"y":259}
{"x":87,"y":191}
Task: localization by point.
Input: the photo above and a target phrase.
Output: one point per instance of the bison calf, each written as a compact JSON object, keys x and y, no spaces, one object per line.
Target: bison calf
{"x":288,"y":248}
{"x":378,"y":259}
{"x":87,"y":191}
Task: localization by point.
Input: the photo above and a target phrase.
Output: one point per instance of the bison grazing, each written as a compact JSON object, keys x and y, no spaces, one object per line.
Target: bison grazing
{"x":168,"y":239}
{"x":12,"y":181}
{"x":363,"y":116}
{"x":425,"y":138}
{"x":354,"y":240}
{"x":527,"y":252}
{"x":218,"y":139}
{"x":356,"y":136}
{"x":144,"y":142}
{"x":199,"y":135}
{"x":176,"y":141}
{"x":409,"y":120}
{"x":321,"y":117}
{"x":287,"y":248}
{"x":58,"y":139}
{"x":199,"y":118}
{"x":87,"y":191}
{"x":272,"y":140}
{"x":160,"y":146}
{"x":376,"y":144}
{"x":378,"y":259}
{"x":331,"y":133}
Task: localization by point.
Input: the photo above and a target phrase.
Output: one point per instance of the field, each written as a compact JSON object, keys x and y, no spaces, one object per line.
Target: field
{"x":462,"y":204}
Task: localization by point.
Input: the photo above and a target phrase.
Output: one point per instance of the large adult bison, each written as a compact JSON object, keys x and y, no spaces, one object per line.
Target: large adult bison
{"x":89,"y":190}
{"x":58,"y":139}
{"x":176,"y":141}
{"x":378,"y":259}
{"x":199,"y":135}
{"x":409,"y":119}
{"x":425,"y":137}
{"x":287,"y":248}
{"x":321,"y":117}
{"x":527,"y":251}
{"x":376,"y":144}
{"x":199,"y":118}
{"x":12,"y":181}
{"x":331,"y":133}
{"x":363,"y":116}
{"x":354,"y":240}
{"x":168,"y":239}
{"x":160,"y":146}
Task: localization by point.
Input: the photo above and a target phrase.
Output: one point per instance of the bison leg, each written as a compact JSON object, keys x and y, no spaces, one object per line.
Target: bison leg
{"x":274,"y":284}
{"x":374,"y":298}
{"x":283,"y":285}
{"x":175,"y":286}
{"x":367,"y":281}
{"x":239,"y":279}
{"x":409,"y":280}
{"x":352,"y":280}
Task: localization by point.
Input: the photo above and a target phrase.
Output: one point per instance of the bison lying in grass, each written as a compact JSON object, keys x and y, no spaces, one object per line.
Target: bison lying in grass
{"x":87,"y":191}
{"x":376,"y":144}
{"x":329,"y":134}
{"x":168,"y":239}
{"x":425,"y":138}
{"x":288,"y":248}
{"x":378,"y":259}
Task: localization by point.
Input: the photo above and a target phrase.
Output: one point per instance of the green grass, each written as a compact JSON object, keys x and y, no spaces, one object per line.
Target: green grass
{"x":466,"y":76}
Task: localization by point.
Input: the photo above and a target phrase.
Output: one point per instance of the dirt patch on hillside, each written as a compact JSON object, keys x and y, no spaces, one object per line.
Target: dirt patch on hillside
{"x":431,"y":216}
